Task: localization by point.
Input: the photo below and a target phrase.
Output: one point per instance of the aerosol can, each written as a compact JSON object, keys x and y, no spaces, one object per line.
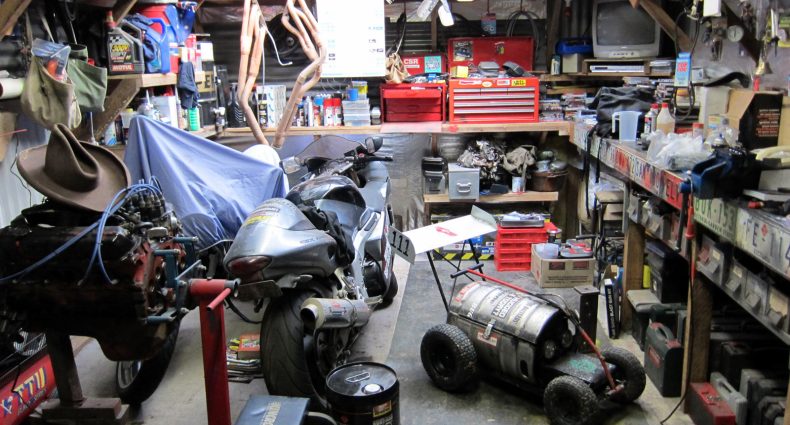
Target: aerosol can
{"x":124,"y":50}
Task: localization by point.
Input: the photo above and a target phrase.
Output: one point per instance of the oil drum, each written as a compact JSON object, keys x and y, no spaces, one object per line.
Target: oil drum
{"x":363,"y":393}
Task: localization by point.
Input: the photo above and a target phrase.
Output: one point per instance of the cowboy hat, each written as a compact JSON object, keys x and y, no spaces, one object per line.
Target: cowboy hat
{"x":73,"y":172}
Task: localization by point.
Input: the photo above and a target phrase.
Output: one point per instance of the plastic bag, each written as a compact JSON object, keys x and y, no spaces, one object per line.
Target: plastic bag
{"x":676,"y":152}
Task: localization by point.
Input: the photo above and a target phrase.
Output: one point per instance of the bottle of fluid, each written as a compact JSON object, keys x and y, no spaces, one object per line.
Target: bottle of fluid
{"x":650,"y":119}
{"x":664,"y":121}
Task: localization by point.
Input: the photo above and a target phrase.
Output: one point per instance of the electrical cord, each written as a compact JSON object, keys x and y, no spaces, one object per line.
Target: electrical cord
{"x":241,"y":315}
{"x":511,"y":26}
{"x":690,"y":87}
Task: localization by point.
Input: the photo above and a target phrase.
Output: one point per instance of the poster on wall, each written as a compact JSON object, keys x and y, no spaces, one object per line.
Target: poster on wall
{"x":353,"y":32}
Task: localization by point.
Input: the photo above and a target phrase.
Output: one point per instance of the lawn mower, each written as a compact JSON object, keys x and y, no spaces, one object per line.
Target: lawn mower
{"x":526,"y":339}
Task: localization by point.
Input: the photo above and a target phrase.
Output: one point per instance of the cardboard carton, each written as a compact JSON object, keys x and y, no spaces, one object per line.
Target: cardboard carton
{"x":757,"y":116}
{"x":562,"y":273}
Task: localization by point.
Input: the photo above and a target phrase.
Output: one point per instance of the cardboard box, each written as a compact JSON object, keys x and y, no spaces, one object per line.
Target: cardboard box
{"x":757,"y":116}
{"x":249,"y":347}
{"x":562,"y":273}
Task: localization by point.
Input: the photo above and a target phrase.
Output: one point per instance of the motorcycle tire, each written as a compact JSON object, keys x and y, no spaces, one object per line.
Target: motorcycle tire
{"x":136,"y":380}
{"x":283,"y":359}
{"x":392,"y":291}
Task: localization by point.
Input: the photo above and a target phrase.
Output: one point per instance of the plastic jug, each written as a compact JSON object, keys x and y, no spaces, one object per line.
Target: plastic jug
{"x":627,"y":122}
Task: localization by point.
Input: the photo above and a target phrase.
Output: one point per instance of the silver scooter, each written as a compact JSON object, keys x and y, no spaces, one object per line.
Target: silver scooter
{"x":321,"y":259}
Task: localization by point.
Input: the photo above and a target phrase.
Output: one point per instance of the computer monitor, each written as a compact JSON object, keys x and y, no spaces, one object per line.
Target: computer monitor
{"x":621,"y":31}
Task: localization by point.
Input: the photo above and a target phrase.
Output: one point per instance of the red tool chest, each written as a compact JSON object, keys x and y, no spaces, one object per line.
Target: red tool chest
{"x":706,"y":407}
{"x":513,"y":246}
{"x":473,"y":50}
{"x":413,"y":102}
{"x":498,"y":100}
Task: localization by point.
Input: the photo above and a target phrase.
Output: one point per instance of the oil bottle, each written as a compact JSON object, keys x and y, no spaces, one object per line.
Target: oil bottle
{"x":124,"y":50}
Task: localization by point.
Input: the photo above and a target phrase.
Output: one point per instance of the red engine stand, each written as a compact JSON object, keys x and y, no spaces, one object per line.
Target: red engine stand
{"x":210,"y":293}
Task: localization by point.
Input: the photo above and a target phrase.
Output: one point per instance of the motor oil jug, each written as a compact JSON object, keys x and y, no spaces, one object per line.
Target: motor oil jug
{"x":124,"y":50}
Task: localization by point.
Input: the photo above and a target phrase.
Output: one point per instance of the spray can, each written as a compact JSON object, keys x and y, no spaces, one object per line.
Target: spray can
{"x":124,"y":50}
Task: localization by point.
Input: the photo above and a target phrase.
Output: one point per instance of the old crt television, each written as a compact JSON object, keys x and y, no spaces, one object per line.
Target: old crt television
{"x":621,"y":31}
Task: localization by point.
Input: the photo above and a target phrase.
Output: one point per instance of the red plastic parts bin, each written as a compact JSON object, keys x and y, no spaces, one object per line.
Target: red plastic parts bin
{"x":513,"y":246}
{"x":412,"y":102}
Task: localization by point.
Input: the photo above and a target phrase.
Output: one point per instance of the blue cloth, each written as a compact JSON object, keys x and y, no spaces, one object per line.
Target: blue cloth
{"x":212,"y":188}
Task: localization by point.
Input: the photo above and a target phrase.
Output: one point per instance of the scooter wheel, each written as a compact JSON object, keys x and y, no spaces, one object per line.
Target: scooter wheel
{"x":570,"y":401}
{"x":628,"y":371}
{"x":449,"y":358}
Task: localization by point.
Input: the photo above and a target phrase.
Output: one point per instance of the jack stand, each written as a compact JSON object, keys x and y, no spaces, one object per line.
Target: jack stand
{"x":210,"y":293}
{"x":72,"y":407}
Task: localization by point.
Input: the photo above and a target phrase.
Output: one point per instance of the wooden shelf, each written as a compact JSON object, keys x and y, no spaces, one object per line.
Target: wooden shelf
{"x":503,"y":198}
{"x":562,"y":127}
{"x":601,"y":76}
{"x":148,"y":80}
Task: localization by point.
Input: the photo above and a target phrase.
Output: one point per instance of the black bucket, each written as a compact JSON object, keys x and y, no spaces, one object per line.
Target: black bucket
{"x":363,"y":393}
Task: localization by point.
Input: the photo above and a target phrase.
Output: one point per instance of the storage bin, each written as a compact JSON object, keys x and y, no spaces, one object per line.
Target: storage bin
{"x":713,"y":260}
{"x":412,"y":102}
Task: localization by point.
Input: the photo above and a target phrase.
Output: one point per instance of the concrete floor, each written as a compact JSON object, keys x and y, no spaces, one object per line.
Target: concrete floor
{"x":392,"y":337}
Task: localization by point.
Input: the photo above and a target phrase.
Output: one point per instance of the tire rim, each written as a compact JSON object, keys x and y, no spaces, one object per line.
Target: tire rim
{"x":442,"y":362}
{"x":568,"y":407}
{"x":127,"y":372}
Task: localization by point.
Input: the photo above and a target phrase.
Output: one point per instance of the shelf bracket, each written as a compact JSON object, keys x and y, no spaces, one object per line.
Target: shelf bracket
{"x":122,"y":8}
{"x":667,"y":24}
{"x":119,"y":94}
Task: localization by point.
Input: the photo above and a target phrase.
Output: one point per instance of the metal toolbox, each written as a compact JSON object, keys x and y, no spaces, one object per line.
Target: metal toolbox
{"x":463,"y":183}
{"x":736,"y":280}
{"x":412,"y":102}
{"x":474,"y":50}
{"x":494,"y":100}
{"x":713,"y":260}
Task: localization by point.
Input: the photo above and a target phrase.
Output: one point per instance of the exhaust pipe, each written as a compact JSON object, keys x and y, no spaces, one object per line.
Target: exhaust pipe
{"x":332,"y":313}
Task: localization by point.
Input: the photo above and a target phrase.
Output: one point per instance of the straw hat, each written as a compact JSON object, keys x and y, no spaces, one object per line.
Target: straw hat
{"x":73,"y":172}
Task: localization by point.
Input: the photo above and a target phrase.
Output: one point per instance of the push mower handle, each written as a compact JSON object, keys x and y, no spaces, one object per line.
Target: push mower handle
{"x":463,"y":272}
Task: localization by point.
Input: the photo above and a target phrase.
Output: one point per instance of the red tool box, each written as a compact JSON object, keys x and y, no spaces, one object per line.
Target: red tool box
{"x":424,"y":63}
{"x":513,"y":246}
{"x":497,"y":100}
{"x":412,"y":102}
{"x":706,"y":407}
{"x":473,"y":50}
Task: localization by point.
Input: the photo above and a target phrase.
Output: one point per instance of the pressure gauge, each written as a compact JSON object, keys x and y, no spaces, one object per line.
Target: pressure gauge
{"x":735,"y":33}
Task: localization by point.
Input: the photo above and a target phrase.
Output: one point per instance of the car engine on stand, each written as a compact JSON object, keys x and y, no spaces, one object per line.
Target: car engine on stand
{"x":114,"y":288}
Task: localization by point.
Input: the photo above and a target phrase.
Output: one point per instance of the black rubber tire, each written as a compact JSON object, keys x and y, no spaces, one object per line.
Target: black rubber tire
{"x":390,"y":293}
{"x":570,"y":401}
{"x":283,"y":360}
{"x":628,"y":371}
{"x":148,"y":375}
{"x":449,"y":358}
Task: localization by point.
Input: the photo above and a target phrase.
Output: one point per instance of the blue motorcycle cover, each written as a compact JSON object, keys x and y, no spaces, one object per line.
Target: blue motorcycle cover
{"x":212,"y":188}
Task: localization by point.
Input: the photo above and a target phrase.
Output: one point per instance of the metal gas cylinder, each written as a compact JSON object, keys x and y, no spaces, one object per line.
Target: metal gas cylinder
{"x":513,"y":332}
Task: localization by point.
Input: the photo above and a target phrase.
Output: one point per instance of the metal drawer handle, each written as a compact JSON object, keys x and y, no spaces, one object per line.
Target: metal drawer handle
{"x":464,"y":187}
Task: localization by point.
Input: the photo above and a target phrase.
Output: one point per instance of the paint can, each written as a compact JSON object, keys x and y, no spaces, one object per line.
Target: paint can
{"x":517,"y":185}
{"x":363,"y":393}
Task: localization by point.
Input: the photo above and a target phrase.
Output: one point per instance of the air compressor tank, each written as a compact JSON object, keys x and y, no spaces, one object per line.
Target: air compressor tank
{"x":513,"y":332}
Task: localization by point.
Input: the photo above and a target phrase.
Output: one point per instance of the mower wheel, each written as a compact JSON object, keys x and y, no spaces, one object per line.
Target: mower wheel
{"x":570,"y":401}
{"x":628,"y":371}
{"x":449,"y":357}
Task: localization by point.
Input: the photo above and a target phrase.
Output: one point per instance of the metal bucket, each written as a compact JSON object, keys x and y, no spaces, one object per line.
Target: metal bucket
{"x":363,"y":393}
